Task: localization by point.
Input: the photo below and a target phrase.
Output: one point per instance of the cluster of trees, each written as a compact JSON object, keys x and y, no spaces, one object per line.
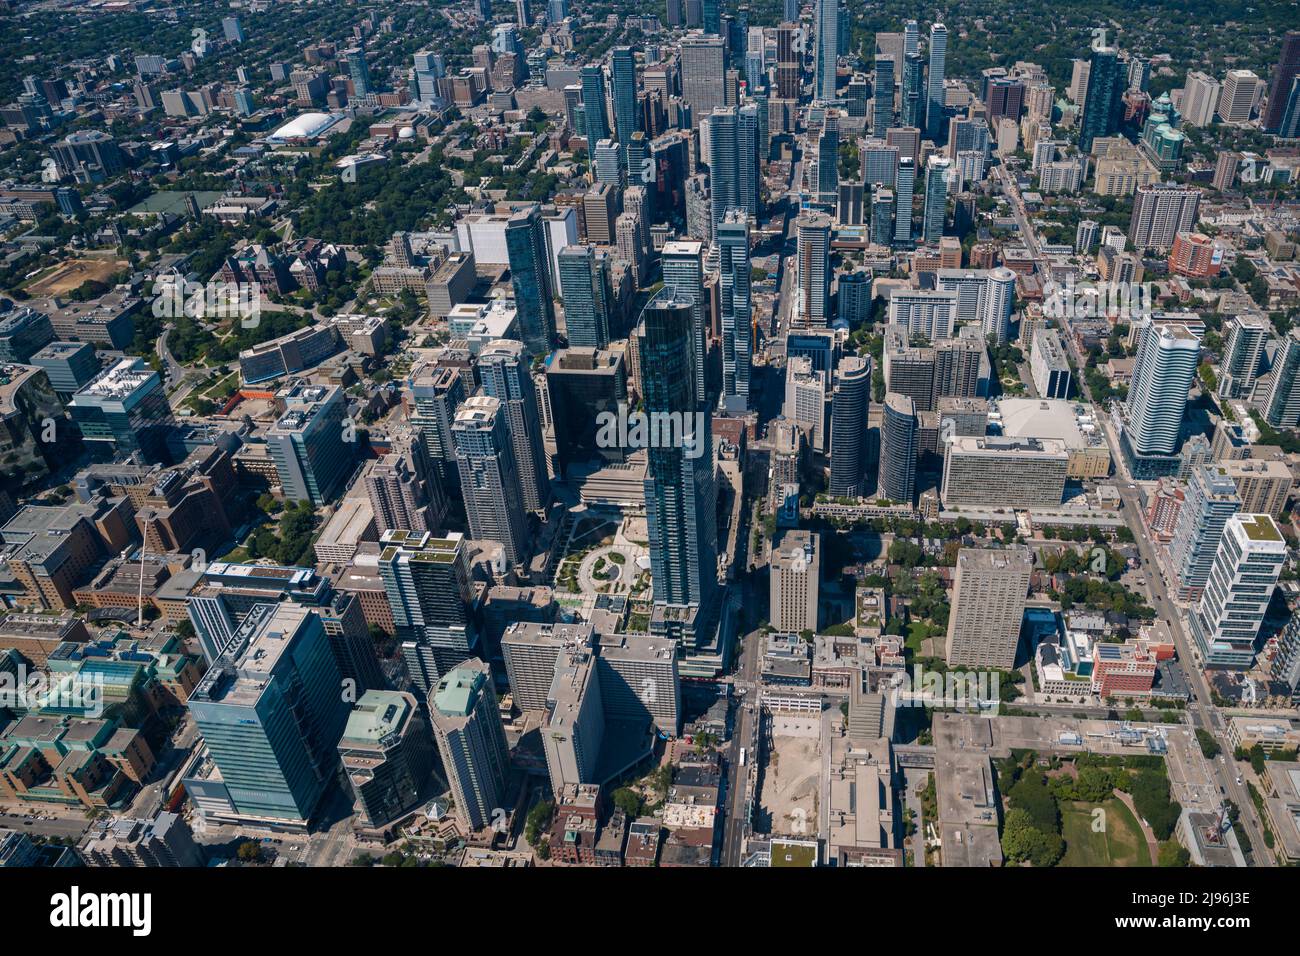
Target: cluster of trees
{"x":1032,"y":828}
{"x":290,"y":542}
{"x":387,"y":199}
{"x":1098,"y":561}
{"x":1102,"y":595}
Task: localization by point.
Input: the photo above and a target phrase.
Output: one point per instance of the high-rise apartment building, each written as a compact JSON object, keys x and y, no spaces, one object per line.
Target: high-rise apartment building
{"x":988,"y":607}
{"x":1163,"y":372}
{"x":1243,"y":354}
{"x":813,"y":271}
{"x":680,"y":497}
{"x":1211,"y":499}
{"x":736,"y":311}
{"x":935,"y":117}
{"x":795,"y":579}
{"x":1101,"y":104}
{"x":472,"y":742}
{"x":849,"y":406}
{"x":506,"y":376}
{"x":1226,"y":622}
{"x":897,"y":480}
{"x":525,"y":236}
{"x":1160,"y":212}
{"x":489,"y":477}
{"x":585,"y":286}
{"x":427,"y":582}
{"x":828,"y":48}
{"x":1282,"y":84}
{"x":1282,"y":400}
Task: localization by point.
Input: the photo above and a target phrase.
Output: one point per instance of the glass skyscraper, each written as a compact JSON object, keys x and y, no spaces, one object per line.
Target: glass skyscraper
{"x":593,"y":103}
{"x":1102,"y":104}
{"x":679,"y":486}
{"x":828,"y":49}
{"x":934,"y":109}
{"x":936,"y":198}
{"x":271,"y":713}
{"x":736,"y":310}
{"x":623,"y":68}
{"x":526,"y":249}
{"x":584,"y":286}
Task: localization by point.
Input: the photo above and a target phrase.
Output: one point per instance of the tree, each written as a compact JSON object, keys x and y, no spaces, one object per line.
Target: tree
{"x":538,"y":819}
{"x":1030,"y":794}
{"x":1209,"y":746}
{"x":629,"y":801}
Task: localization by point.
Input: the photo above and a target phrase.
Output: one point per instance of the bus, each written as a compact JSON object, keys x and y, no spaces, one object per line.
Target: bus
{"x":742,"y":756}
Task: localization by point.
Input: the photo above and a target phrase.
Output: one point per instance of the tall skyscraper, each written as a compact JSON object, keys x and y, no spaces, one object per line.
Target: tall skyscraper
{"x":1160,"y":212}
{"x":1211,"y":499}
{"x":988,"y":607}
{"x":935,"y":119}
{"x":883,"y":111}
{"x":733,"y":161}
{"x":711,"y":16}
{"x":504,"y":371}
{"x":626,"y":114}
{"x":489,"y":477}
{"x":311,"y":446}
{"x":427,"y":583}
{"x":530,"y":279}
{"x":1102,"y":103}
{"x":914,"y":92}
{"x":124,"y":411}
{"x":437,"y":393}
{"x":736,"y":312}
{"x":1282,"y":82}
{"x":828,"y":49}
{"x":1162,"y":374}
{"x":271,"y":713}
{"x":680,"y":497}
{"x":882,"y":216}
{"x":472,"y":742}
{"x":813,"y":275}
{"x":1282,"y":401}
{"x":903,"y":191}
{"x":403,"y":493}
{"x":911,"y":37}
{"x":849,"y":425}
{"x":358,"y":72}
{"x":585,"y":287}
{"x":898,"y":449}
{"x":794,"y":582}
{"x":828,"y":160}
{"x":1243,"y":354}
{"x":702,"y":69}
{"x":387,"y":756}
{"x":936,"y":198}
{"x":682,"y":265}
{"x":593,"y":104}
{"x":1246,"y":566}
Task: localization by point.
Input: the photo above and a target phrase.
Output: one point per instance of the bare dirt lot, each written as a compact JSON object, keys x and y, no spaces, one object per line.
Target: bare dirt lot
{"x":790,"y":790}
{"x":72,"y":274}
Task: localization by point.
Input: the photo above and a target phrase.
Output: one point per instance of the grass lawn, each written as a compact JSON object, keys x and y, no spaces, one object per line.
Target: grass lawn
{"x":1122,"y":843}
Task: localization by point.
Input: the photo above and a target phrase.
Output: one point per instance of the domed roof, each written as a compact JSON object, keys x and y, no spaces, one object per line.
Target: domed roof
{"x":304,"y":126}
